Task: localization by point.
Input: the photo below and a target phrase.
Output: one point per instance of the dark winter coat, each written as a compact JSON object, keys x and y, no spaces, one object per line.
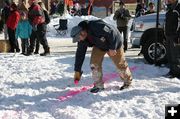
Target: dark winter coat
{"x":122,"y":17}
{"x":172,"y":31}
{"x":100,"y":35}
{"x":53,"y":8}
{"x":36,"y":15}
{"x":84,"y":11}
{"x":172,"y":26}
{"x":13,"y":20}
{"x":139,"y":10}
{"x":47,"y":17}
{"x":5,"y":13}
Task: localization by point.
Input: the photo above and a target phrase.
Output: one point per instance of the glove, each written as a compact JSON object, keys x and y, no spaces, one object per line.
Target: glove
{"x":77,"y":77}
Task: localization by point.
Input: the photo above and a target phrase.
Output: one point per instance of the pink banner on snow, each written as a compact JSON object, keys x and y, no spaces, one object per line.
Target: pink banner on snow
{"x":106,"y":78}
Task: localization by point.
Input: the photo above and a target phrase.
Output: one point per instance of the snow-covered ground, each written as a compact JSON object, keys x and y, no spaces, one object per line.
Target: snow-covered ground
{"x":30,"y":86}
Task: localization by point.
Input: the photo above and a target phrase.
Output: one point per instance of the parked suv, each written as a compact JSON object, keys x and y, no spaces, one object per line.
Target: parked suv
{"x":144,"y":35}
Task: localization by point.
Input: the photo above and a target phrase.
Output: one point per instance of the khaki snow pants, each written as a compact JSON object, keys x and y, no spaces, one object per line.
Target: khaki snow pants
{"x":97,"y":57}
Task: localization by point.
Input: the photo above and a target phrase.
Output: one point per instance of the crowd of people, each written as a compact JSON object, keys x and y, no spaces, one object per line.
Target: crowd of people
{"x":141,"y":9}
{"x":122,"y":17}
{"x":81,"y":10}
{"x":29,"y":24}
{"x":14,"y":18}
{"x":75,"y":10}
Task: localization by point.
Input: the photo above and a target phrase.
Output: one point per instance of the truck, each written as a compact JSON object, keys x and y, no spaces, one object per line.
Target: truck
{"x":143,"y":35}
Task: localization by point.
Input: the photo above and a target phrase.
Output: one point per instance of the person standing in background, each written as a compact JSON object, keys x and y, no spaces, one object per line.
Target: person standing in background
{"x":47,"y":21}
{"x":84,"y":10}
{"x":22,"y":7}
{"x":23,"y":31}
{"x":172,"y":32}
{"x":151,"y":8}
{"x":36,"y":18}
{"x":5,"y":15}
{"x":53,"y":8}
{"x":140,"y":9}
{"x":122,"y":16}
{"x":12,"y":23}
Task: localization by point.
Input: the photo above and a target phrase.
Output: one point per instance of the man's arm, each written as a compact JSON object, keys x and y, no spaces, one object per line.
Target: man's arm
{"x":127,"y":15}
{"x":116,"y":15}
{"x":80,"y":55}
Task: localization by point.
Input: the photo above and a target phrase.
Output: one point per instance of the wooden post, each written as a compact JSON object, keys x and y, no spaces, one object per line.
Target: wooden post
{"x":107,"y":10}
{"x":90,"y":5}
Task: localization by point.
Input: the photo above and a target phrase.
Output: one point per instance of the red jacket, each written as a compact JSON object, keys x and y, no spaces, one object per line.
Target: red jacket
{"x":13,"y":20}
{"x":36,"y":15}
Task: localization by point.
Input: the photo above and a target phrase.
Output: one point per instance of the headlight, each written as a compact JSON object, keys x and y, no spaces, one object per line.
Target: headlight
{"x":139,"y":26}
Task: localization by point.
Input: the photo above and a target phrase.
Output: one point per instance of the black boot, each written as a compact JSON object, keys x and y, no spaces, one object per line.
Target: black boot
{"x":17,"y":50}
{"x":126,"y":85}
{"x":46,"y":52}
{"x":29,"y":52}
{"x":96,"y":89}
{"x":170,"y":74}
{"x":36,"y":52}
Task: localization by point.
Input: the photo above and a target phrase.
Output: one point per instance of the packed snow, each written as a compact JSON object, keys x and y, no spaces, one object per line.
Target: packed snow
{"x":30,"y":86}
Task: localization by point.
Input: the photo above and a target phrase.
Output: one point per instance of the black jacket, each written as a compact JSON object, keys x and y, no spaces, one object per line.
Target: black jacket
{"x":5,"y":13}
{"x":101,"y":35}
{"x":172,"y":15}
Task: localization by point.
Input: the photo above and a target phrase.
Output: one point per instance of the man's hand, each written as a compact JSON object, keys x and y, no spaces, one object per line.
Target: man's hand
{"x":112,"y":53}
{"x":77,"y":77}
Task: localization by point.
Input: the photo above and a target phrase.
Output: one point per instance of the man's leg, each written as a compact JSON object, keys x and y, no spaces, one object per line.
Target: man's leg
{"x":120,"y":29}
{"x":125,"y":35}
{"x":26,"y":45}
{"x":32,"y":42}
{"x":97,"y":57}
{"x":174,"y":56}
{"x":43,"y":40}
{"x":16,"y":43}
{"x":168,"y":50}
{"x":23,"y":45}
{"x":10,"y":35}
{"x":123,"y":69}
{"x":5,"y":32}
{"x":170,"y":56}
{"x":37,"y":46}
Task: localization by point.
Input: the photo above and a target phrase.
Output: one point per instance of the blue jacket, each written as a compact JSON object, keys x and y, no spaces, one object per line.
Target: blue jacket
{"x":24,"y":29}
{"x":100,"y":35}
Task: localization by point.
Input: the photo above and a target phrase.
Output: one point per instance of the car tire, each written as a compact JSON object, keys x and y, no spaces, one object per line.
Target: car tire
{"x":149,"y":52}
